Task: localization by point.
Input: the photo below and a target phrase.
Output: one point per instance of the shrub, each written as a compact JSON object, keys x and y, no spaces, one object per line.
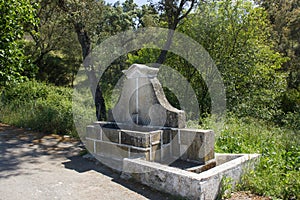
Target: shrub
{"x":277,"y":174}
{"x":38,"y":106}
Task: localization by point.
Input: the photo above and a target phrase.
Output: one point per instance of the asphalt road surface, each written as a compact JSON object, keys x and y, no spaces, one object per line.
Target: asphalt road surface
{"x":38,"y":166}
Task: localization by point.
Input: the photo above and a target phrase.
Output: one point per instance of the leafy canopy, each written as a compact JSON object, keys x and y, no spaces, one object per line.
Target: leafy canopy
{"x":16,"y":15}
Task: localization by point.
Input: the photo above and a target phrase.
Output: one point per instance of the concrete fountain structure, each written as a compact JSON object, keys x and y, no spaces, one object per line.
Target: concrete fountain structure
{"x":146,"y":139}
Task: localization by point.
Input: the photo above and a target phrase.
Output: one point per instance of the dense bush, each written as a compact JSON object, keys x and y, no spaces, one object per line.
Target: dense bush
{"x":16,"y":16}
{"x":277,"y":174}
{"x":38,"y":106}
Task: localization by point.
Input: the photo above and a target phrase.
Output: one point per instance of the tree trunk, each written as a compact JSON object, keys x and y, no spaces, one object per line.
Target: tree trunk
{"x":163,"y":54}
{"x":85,"y":43}
{"x":174,"y":16}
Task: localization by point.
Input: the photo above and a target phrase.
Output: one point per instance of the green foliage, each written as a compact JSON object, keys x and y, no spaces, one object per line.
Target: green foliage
{"x":15,"y":17}
{"x":118,"y":18}
{"x":53,"y":49}
{"x":59,"y":69}
{"x":277,"y":173}
{"x":284,"y":16}
{"x":38,"y":106}
{"x":291,"y":100}
{"x":292,"y":121}
{"x":236,"y":36}
{"x":225,"y":188}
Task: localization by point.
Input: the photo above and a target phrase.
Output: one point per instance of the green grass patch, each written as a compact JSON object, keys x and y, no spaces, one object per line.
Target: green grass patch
{"x":278,"y":172}
{"x":40,"y":107}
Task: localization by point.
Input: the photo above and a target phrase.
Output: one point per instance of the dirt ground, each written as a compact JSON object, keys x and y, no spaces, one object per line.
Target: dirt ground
{"x":244,"y":195}
{"x":38,"y":166}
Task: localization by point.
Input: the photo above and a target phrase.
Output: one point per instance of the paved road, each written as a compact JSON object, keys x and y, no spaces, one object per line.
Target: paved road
{"x":37,"y":166}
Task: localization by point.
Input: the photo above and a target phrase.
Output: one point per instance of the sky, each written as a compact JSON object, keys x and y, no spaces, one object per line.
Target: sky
{"x":138,"y":2}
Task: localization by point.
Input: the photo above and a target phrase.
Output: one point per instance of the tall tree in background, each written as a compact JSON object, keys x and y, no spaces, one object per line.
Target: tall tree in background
{"x":285,"y":19}
{"x":50,"y":48}
{"x":16,"y":15}
{"x":173,"y":12}
{"x":236,"y":35}
{"x":93,"y":22}
{"x":116,"y":18}
{"x":81,"y":14}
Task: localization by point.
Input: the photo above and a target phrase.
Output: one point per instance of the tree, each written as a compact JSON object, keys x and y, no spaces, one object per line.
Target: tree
{"x":147,"y":16}
{"x":115,"y":19}
{"x":80,"y":15}
{"x":236,"y":34}
{"x":50,"y":48}
{"x":285,"y":19}
{"x":15,"y":17}
{"x":93,"y":21}
{"x":173,"y":12}
{"x":284,"y":16}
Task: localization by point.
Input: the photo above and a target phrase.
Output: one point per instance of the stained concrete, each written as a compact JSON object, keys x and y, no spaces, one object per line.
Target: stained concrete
{"x":176,"y":181}
{"x":143,"y":102}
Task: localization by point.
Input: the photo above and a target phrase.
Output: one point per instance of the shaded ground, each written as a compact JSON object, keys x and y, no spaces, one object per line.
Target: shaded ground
{"x":37,"y":166}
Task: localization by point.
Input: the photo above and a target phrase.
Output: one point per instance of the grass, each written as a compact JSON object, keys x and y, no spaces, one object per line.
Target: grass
{"x":40,"y":107}
{"x":278,"y":172}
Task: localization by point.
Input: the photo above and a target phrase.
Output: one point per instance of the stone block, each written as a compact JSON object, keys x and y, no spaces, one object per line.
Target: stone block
{"x":197,"y":145}
{"x":134,"y":138}
{"x":186,"y":184}
{"x":155,"y":137}
{"x":93,"y":131}
{"x":176,"y":119}
{"x":110,"y":135}
{"x":139,"y":153}
{"x":175,"y":146}
{"x":169,"y":135}
{"x":166,"y":152}
{"x":156,"y":155}
{"x":110,"y":150}
{"x":90,"y":145}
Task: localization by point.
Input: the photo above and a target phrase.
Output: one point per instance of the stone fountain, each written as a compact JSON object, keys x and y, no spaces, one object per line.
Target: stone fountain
{"x":146,"y":139}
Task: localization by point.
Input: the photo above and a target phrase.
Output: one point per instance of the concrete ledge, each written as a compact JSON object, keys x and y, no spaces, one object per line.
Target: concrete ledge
{"x":205,"y":185}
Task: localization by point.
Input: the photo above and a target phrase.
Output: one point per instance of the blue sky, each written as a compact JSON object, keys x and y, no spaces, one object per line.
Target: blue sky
{"x":138,"y":2}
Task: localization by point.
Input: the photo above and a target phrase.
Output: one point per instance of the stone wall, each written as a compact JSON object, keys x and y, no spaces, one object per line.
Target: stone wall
{"x":153,"y":145}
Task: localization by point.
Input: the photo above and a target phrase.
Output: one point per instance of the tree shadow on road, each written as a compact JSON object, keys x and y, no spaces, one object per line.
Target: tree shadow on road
{"x":80,"y":164}
{"x":18,"y":146}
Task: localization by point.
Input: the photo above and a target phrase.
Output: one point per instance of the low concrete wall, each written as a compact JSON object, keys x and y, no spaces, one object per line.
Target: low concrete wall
{"x":204,"y":186}
{"x":166,"y":144}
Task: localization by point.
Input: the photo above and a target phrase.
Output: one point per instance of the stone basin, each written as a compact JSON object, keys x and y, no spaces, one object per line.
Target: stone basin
{"x":182,"y":182}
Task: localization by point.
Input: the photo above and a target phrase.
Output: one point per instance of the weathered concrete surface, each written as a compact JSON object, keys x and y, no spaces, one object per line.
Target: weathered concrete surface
{"x":143,"y":101}
{"x":35,"y":166}
{"x":204,"y":186}
{"x":197,"y":145}
{"x":164,"y":145}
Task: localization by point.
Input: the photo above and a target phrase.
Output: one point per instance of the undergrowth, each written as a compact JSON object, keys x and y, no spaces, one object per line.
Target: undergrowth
{"x":277,"y":174}
{"x":39,"y":106}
